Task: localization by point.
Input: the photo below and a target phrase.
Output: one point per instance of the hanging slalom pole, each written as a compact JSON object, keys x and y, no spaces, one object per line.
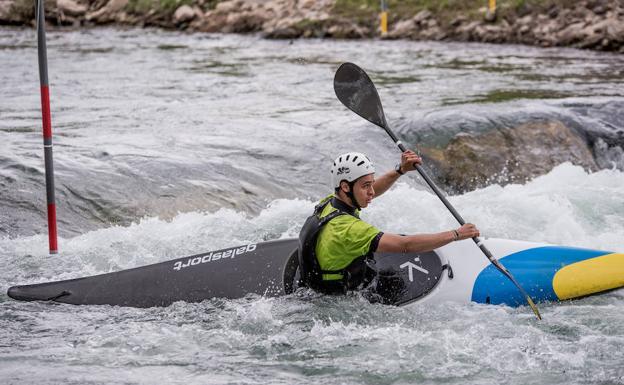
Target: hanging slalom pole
{"x":47,"y":126}
{"x":490,"y":13}
{"x":384,"y":18}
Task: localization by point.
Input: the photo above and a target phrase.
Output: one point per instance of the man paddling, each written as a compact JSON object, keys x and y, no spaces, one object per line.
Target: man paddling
{"x":336,"y":246}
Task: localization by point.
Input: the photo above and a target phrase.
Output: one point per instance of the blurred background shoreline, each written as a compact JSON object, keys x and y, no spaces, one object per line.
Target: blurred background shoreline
{"x":587,"y":24}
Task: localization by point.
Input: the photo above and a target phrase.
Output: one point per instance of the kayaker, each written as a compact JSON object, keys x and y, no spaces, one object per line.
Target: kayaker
{"x":336,"y":246}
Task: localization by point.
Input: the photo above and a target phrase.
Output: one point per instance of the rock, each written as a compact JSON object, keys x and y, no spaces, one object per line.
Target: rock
{"x":275,"y":23}
{"x":402,"y":29}
{"x":509,"y":155}
{"x":466,"y":32}
{"x":421,"y":26}
{"x":248,"y":21}
{"x":432,"y":33}
{"x":526,"y":20}
{"x":228,"y":6}
{"x":71,"y":8}
{"x":565,"y":16}
{"x":212,"y":21}
{"x":108,"y":12}
{"x":546,"y":32}
{"x":459,"y":20}
{"x":16,"y":11}
{"x":317,"y":7}
{"x":613,"y":29}
{"x":422,"y":16}
{"x":184,"y":14}
{"x":493,"y":33}
{"x":591,"y":38}
{"x":553,"y":12}
{"x":5,"y":10}
{"x":430,"y":23}
{"x":346,"y":30}
{"x":307,"y":4}
{"x":600,"y":10}
{"x":571,"y":34}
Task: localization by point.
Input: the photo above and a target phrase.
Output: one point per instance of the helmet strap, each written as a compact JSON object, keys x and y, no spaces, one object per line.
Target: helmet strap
{"x":352,"y":196}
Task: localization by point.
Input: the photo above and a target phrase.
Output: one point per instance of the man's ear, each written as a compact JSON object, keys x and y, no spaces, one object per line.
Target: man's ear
{"x":344,"y":186}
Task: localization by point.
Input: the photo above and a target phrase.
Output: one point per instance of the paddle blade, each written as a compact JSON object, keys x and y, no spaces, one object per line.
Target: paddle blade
{"x":534,"y":308}
{"x":357,"y":92}
{"x":506,"y":272}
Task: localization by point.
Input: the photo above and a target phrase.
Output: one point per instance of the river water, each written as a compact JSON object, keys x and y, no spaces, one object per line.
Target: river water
{"x":170,"y":144}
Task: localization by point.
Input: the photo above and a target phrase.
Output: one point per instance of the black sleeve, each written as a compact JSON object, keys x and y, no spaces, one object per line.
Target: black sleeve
{"x":375,"y":242}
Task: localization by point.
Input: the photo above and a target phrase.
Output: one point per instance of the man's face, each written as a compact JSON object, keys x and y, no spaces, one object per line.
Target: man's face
{"x":363,"y":190}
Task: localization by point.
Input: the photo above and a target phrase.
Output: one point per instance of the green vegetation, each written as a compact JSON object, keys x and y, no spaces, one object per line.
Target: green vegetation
{"x":144,"y":6}
{"x":363,"y":11}
{"x":308,"y":24}
{"x":405,"y":9}
{"x":164,"y":6}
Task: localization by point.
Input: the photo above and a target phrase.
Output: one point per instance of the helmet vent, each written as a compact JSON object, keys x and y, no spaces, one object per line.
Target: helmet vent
{"x":361,"y":163}
{"x":355,"y":158}
{"x":347,"y":158}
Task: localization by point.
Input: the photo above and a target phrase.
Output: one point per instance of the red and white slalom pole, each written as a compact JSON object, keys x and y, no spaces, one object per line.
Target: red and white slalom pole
{"x":47,"y":126}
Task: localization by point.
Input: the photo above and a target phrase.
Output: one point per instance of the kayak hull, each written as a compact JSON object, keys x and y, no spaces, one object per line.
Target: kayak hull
{"x":226,"y":273}
{"x":457,"y":272}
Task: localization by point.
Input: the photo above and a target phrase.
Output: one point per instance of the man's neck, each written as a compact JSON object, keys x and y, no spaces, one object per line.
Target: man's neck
{"x":343,"y":204}
{"x":344,"y":199}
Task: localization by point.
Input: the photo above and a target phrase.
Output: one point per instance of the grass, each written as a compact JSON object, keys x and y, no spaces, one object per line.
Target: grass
{"x":365,"y":11}
{"x":405,"y":9}
{"x":159,"y":6}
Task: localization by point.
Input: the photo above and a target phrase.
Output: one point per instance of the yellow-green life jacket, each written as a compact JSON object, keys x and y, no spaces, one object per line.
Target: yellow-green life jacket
{"x":344,"y":240}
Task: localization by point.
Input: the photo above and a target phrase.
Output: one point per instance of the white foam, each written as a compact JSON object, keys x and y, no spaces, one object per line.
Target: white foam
{"x":567,"y":206}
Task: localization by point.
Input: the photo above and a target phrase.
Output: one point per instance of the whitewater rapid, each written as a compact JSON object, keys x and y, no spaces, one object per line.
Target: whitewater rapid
{"x":333,"y":340}
{"x":171,"y":144}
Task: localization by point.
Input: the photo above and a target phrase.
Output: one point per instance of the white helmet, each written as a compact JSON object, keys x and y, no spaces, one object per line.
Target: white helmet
{"x":349,"y":167}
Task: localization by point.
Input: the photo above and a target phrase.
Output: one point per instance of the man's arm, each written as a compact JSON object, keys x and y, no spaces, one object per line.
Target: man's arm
{"x":393,"y":243}
{"x":384,"y":182}
{"x":408,"y":161}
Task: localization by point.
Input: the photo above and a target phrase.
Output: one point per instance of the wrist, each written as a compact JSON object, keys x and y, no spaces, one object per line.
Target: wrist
{"x":398,"y":169}
{"x":455,"y":235}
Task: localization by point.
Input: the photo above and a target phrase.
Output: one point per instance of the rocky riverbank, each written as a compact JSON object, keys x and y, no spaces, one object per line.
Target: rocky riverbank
{"x":591,"y":24}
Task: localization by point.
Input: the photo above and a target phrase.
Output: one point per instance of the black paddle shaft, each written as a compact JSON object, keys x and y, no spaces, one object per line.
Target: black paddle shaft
{"x":357,"y":92}
{"x":448,"y":204}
